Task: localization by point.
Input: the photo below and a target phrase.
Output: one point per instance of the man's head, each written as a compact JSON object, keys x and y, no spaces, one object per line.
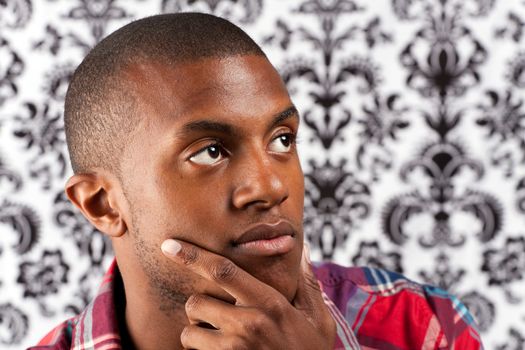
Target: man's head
{"x":179,"y":127}
{"x":100,"y":108}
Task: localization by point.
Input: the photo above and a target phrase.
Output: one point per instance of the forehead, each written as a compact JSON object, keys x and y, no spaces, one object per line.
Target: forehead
{"x":231,"y":86}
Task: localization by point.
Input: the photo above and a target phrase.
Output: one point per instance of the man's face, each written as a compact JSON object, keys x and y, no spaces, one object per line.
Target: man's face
{"x":213,"y":157}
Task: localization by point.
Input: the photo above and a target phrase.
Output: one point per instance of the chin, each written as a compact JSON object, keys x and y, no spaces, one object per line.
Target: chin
{"x":280,"y":272}
{"x":288,"y":291}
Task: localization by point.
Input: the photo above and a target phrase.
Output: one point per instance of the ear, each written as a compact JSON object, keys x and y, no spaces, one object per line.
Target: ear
{"x":97,"y":200}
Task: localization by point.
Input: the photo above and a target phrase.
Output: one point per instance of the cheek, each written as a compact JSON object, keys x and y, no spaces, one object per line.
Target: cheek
{"x":189,"y":209}
{"x":171,"y":283}
{"x":296,"y":186}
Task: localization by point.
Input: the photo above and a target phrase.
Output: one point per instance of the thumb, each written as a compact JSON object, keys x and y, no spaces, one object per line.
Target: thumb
{"x":309,"y":297}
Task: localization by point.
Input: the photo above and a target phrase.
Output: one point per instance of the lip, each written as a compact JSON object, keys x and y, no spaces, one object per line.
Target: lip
{"x":267,"y":239}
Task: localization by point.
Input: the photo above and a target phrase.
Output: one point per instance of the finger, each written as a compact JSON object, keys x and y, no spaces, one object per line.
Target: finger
{"x":202,"y":308}
{"x":195,"y":337}
{"x":246,"y":289}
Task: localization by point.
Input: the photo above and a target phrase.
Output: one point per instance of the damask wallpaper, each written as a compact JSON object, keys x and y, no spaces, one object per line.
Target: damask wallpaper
{"x":412,"y":143}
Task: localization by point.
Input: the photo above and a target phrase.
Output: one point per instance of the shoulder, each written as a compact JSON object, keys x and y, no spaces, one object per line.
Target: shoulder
{"x":415,"y":315}
{"x":59,"y":338}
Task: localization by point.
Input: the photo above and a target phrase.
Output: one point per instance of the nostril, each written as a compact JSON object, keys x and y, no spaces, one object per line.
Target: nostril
{"x":261,"y":197}
{"x":262,"y":185}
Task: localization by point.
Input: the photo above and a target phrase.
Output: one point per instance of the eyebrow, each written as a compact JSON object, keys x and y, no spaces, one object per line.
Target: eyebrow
{"x":290,"y":112}
{"x":208,"y":125}
{"x":225,"y":128}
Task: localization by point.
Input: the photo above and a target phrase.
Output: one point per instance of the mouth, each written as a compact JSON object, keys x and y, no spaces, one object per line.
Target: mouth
{"x":266,"y":239}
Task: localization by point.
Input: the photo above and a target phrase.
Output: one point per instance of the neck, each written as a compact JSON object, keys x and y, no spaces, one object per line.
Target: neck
{"x":143,"y":324}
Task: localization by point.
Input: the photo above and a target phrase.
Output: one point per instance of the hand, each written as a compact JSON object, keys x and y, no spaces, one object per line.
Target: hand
{"x":262,"y":318}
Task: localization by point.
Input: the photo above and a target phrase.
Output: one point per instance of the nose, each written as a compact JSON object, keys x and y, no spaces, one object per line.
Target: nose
{"x":260,"y":183}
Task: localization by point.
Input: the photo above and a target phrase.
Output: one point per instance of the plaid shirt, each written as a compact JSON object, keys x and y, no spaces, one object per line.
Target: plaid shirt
{"x":373,"y":309}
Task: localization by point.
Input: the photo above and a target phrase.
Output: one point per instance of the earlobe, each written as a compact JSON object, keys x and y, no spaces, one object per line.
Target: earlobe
{"x":97,"y":201}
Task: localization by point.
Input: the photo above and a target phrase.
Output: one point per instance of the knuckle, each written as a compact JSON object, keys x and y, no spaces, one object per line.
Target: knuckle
{"x":185,"y":335}
{"x":223,"y":271}
{"x":190,"y":255}
{"x":277,"y":307}
{"x":256,"y":324}
{"x":238,"y":344}
{"x":193,"y":302}
{"x":311,"y":282}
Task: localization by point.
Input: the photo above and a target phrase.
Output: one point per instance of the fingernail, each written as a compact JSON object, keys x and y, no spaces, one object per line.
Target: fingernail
{"x":306,"y":252}
{"x":171,"y":247}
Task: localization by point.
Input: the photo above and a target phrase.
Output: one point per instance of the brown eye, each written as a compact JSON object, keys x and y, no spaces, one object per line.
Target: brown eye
{"x":209,"y":155}
{"x":214,"y":151}
{"x":282,"y":143}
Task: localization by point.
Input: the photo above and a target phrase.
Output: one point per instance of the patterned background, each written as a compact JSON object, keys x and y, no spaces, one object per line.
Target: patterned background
{"x":413,"y":145}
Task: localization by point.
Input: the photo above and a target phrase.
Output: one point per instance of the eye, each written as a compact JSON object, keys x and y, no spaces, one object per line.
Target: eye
{"x":282,"y":143}
{"x":208,"y":155}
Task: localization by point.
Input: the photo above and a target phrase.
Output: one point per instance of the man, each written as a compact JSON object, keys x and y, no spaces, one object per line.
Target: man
{"x":182,"y":140}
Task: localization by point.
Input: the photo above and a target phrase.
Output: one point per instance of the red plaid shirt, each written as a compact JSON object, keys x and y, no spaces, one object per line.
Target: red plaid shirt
{"x":373,"y":309}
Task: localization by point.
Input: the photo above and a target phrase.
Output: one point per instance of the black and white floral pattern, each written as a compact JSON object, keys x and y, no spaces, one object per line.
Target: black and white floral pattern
{"x":413,"y":145}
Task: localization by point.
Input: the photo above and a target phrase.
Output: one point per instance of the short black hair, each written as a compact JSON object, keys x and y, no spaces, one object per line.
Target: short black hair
{"x":100,"y":110}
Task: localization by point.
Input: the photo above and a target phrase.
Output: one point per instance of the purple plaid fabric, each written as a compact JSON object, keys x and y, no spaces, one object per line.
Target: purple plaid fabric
{"x":373,"y":309}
